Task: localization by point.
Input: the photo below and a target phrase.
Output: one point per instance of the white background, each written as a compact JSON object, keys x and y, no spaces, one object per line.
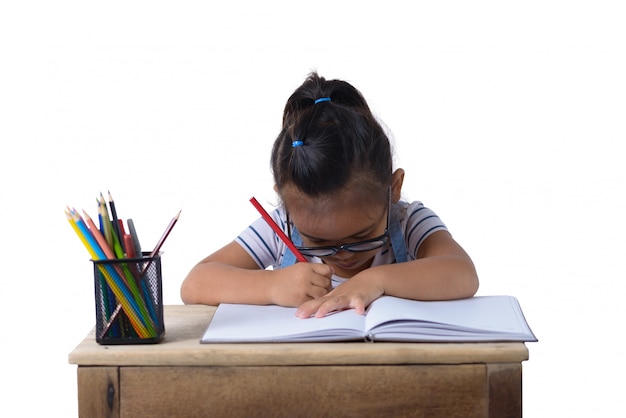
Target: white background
{"x":508,"y":118}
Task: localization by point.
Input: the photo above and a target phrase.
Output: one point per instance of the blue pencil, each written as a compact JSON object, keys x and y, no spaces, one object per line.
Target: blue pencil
{"x":109,"y":273}
{"x":102,"y":256}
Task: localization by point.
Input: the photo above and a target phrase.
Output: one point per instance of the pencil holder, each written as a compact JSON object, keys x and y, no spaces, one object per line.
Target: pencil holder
{"x":129,"y":300}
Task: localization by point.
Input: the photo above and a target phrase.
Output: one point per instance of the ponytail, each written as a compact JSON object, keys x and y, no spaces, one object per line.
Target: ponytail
{"x":330,"y":139}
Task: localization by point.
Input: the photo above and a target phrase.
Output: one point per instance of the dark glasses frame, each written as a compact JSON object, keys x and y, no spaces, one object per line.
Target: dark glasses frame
{"x":354,"y":247}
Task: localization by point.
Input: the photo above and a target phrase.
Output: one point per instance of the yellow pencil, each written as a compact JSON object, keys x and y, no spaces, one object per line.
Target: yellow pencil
{"x":130,"y":279}
{"x":119,"y":294}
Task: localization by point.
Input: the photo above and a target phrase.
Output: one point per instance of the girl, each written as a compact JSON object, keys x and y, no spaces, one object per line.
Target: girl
{"x":341,"y":207}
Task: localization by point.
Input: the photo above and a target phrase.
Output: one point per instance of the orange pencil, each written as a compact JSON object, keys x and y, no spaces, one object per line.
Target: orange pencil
{"x":126,"y":276}
{"x":120,"y":293}
{"x":104,"y":245}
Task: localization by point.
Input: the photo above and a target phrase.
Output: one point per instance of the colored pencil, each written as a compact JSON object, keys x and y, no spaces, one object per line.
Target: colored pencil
{"x":127,"y":277}
{"x":110,"y":275}
{"x":161,"y":241}
{"x":107,"y":293}
{"x":122,"y":283}
{"x":104,"y":245}
{"x":133,"y":233}
{"x":131,"y":280}
{"x":277,"y":230}
{"x":104,"y":220}
{"x":102,"y":255}
{"x":153,"y":254}
{"x":116,"y":225}
{"x":169,"y":228}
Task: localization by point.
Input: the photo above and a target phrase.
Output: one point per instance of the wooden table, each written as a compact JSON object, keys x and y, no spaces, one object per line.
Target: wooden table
{"x":180,"y":377}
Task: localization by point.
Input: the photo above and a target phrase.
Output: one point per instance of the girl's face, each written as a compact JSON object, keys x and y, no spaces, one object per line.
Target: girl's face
{"x":347,"y":218}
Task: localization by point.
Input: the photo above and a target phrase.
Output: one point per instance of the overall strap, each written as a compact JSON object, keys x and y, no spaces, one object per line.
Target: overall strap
{"x":396,"y":236}
{"x":289,"y":258}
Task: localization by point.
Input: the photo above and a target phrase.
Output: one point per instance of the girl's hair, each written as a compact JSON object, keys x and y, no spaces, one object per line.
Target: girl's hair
{"x":329,"y":144}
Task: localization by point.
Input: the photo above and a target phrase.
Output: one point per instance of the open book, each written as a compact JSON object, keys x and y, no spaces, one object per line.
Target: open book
{"x":481,"y":318}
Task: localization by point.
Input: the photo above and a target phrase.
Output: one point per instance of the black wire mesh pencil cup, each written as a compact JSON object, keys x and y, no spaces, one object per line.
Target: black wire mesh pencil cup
{"x":129,"y":300}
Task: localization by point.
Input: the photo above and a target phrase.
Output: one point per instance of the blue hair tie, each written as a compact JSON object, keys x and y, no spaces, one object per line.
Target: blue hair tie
{"x":322,"y":99}
{"x":297,"y":143}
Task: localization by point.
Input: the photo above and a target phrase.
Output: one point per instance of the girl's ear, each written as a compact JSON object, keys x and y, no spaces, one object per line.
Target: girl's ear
{"x":396,"y":184}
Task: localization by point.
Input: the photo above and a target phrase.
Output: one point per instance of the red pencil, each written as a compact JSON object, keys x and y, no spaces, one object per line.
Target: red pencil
{"x":277,"y":229}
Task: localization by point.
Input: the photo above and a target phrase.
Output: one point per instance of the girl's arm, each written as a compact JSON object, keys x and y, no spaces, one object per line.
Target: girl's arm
{"x":442,"y":271}
{"x":230,"y":275}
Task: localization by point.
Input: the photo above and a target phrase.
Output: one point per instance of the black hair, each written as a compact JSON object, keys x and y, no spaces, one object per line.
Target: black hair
{"x":342,"y":143}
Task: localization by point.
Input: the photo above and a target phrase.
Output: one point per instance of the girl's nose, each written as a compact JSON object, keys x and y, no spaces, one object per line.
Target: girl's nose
{"x":343,"y":255}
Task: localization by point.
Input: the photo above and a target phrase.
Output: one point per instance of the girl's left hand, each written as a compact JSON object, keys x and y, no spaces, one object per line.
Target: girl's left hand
{"x":354,"y":293}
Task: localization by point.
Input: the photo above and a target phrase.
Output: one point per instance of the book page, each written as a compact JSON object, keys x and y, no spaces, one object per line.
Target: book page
{"x":477,"y":318}
{"x":253,"y":323}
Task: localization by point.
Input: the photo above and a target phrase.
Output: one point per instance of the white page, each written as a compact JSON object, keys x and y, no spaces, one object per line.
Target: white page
{"x":489,"y":314}
{"x":250,"y":323}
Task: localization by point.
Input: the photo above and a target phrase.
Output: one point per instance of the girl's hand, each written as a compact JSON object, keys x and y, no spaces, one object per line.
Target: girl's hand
{"x":355,"y":293}
{"x":301,"y":282}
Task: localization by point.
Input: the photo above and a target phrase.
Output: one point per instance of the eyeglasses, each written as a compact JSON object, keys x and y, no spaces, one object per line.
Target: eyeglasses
{"x":354,"y":247}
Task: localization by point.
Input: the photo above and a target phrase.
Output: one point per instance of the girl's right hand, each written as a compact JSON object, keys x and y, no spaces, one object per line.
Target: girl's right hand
{"x":296,"y":284}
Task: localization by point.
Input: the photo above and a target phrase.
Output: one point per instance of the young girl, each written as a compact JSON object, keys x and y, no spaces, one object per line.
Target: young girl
{"x":341,"y":207}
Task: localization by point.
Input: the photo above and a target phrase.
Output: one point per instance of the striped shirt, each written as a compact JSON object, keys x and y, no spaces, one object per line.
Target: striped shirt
{"x":416,"y":223}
